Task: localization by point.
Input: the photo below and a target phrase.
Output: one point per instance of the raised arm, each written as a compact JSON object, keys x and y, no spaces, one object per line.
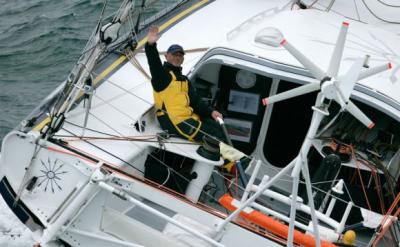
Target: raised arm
{"x":153,"y":35}
{"x":160,"y":78}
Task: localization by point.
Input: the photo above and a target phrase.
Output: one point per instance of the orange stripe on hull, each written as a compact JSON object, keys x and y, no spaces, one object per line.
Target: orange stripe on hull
{"x":273,"y":225}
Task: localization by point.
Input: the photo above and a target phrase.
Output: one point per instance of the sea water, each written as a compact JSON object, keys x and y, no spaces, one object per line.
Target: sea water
{"x":40,"y":41}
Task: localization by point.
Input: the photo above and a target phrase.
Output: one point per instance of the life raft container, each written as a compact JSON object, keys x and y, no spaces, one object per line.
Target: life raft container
{"x":271,"y":224}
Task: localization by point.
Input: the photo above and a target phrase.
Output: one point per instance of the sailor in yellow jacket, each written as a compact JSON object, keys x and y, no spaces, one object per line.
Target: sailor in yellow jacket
{"x":180,"y":110}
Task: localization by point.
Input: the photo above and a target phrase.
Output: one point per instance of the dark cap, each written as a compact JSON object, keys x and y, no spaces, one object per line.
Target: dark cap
{"x":176,"y":48}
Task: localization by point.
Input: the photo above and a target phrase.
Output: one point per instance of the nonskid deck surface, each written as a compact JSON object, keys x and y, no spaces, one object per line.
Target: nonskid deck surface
{"x":86,"y":180}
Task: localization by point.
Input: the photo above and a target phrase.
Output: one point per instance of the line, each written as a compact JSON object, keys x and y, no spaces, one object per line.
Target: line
{"x":176,"y":18}
{"x":97,"y":80}
{"x":123,"y":58}
{"x":109,"y":69}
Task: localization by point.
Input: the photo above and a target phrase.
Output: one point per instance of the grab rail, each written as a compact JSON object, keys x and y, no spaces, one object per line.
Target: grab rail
{"x":125,"y":196}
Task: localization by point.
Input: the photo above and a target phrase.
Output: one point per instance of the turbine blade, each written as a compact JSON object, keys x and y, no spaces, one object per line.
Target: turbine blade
{"x":308,"y":88}
{"x":336,"y":58}
{"x":375,"y":70}
{"x":348,"y":81}
{"x":308,"y":64}
{"x":357,"y":113}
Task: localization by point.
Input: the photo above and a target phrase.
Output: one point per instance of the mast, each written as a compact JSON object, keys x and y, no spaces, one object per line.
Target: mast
{"x":80,"y":79}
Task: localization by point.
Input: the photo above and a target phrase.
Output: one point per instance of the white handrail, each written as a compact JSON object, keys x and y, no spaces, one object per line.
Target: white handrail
{"x":251,"y":181}
{"x":306,"y":209}
{"x":246,"y":203}
{"x":123,"y":195}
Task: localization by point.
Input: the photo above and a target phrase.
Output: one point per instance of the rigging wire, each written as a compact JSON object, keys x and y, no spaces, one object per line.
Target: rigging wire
{"x":287,"y":175}
{"x":325,"y":127}
{"x":389,"y":5}
{"x":132,"y":58}
{"x":384,"y":226}
{"x":228,"y":179}
{"x":376,"y":180}
{"x":313,"y":3}
{"x":107,"y":102}
{"x":147,"y":138}
{"x":376,"y":16}
{"x":67,"y":88}
{"x":169,"y":169}
{"x":120,"y":10}
{"x":357,"y":12}
{"x":101,"y":16}
{"x":154,"y":157}
{"x":105,"y":151}
{"x":212,"y":196}
{"x":329,"y":8}
{"x":136,"y":28}
{"x":148,"y":103}
{"x":330,"y":5}
{"x":163,"y":163}
{"x":91,"y":41}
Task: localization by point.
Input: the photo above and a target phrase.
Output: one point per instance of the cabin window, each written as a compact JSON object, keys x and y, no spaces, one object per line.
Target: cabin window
{"x":239,"y":99}
{"x":288,"y":126}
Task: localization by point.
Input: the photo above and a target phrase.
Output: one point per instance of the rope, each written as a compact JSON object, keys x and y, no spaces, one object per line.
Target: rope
{"x":160,"y":161}
{"x":362,"y":183}
{"x":376,"y":16}
{"x":356,"y":7}
{"x":121,"y":137}
{"x":132,"y":58}
{"x":384,"y":226}
{"x":389,"y":5}
{"x":142,"y":138}
{"x":103,"y":150}
{"x":200,"y":205}
{"x":142,"y":99}
{"x":329,"y":8}
{"x":163,"y":163}
{"x":239,"y":187}
{"x":313,"y":3}
{"x":377,"y":182}
{"x":151,"y":105}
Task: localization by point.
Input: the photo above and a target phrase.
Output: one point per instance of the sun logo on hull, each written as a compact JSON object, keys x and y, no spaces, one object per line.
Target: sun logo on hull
{"x":52,"y":172}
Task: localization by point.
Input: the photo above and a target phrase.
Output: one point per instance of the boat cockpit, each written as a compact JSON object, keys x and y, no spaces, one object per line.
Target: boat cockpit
{"x":236,"y":83}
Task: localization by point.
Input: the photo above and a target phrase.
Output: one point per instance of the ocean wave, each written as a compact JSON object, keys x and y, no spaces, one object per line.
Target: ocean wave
{"x":32,"y":38}
{"x":92,"y":4}
{"x":18,"y":7}
{"x":40,"y":40}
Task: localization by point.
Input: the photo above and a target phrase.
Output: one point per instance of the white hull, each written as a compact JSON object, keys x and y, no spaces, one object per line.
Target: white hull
{"x":86,"y":184}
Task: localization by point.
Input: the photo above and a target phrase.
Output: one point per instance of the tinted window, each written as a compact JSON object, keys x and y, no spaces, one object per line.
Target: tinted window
{"x":288,"y":126}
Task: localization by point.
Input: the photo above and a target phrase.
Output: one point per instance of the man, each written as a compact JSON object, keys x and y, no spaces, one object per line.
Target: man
{"x":180,"y":110}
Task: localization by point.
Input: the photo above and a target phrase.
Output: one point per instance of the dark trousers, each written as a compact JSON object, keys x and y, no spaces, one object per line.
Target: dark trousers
{"x":189,"y":127}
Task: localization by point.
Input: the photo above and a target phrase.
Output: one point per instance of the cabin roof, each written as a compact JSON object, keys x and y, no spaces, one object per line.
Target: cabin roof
{"x":226,"y":23}
{"x":314,"y":33}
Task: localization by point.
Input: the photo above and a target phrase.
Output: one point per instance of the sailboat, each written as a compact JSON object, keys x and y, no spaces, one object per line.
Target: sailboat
{"x":311,"y":109}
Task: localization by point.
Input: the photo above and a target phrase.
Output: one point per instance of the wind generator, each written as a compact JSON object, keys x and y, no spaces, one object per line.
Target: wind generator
{"x":332,"y":87}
